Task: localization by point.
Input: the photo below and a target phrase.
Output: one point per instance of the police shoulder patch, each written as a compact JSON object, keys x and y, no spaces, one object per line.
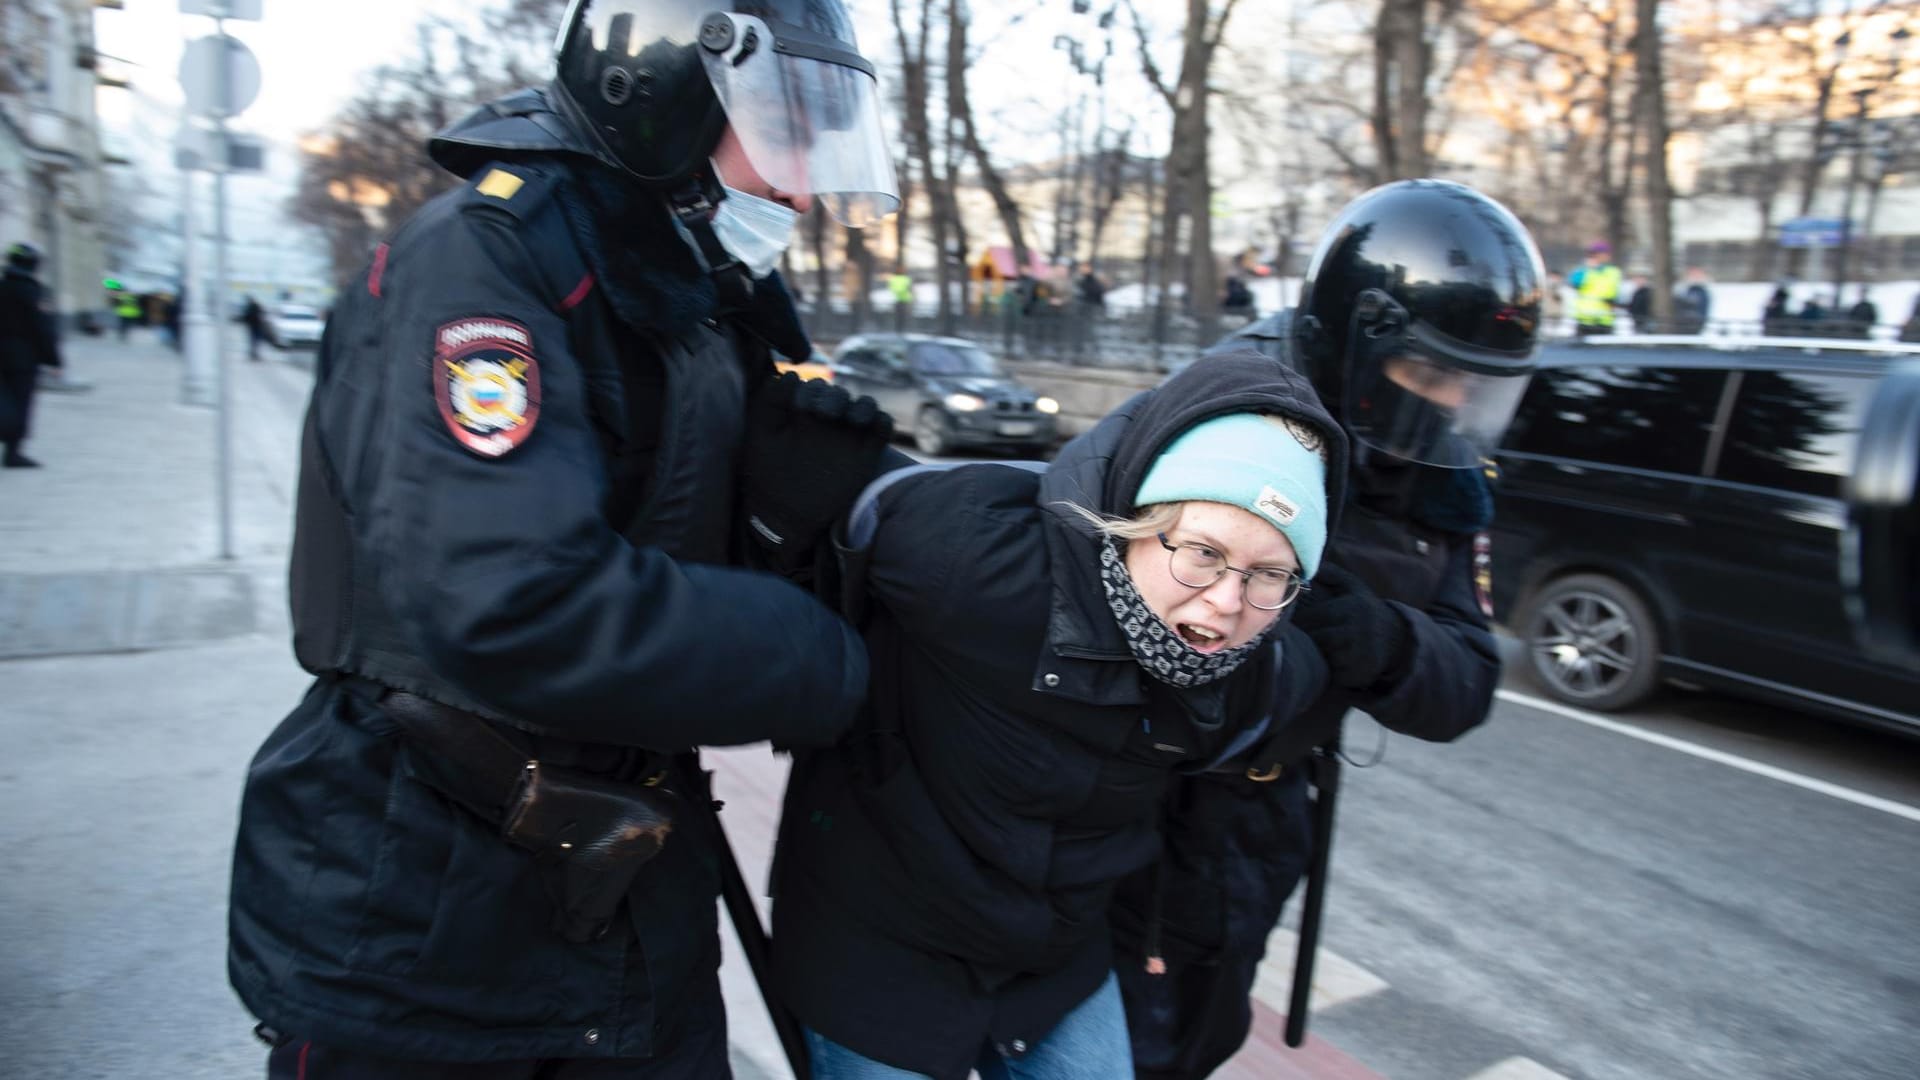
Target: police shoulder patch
{"x":487,"y":383}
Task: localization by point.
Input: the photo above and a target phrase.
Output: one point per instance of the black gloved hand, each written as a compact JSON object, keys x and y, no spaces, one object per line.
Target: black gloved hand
{"x":810,"y":448}
{"x":1366,"y":642}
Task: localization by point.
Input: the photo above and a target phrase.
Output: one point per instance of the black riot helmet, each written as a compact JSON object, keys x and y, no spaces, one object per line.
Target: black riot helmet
{"x":1418,"y":320}
{"x":23,"y":257}
{"x":655,"y":82}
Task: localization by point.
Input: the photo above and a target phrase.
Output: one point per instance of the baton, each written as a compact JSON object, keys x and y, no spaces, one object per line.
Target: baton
{"x":1326,"y":783}
{"x":753,"y":942}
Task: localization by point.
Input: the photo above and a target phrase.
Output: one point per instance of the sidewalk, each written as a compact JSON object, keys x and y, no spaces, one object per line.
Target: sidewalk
{"x":140,"y":671}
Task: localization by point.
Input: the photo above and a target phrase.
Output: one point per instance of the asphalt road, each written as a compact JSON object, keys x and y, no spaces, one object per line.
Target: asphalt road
{"x":1611,"y":908}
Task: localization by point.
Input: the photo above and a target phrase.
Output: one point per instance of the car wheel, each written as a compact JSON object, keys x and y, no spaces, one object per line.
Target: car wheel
{"x":1592,"y":642}
{"x":932,"y":432}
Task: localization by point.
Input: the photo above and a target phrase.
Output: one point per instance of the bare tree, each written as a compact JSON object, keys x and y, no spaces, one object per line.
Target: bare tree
{"x":960,"y":110}
{"x":917,"y":126}
{"x":370,"y":171}
{"x":1188,"y":198}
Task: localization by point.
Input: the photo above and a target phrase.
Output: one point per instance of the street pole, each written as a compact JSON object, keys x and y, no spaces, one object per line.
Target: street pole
{"x":222,"y":362}
{"x":1846,"y":205}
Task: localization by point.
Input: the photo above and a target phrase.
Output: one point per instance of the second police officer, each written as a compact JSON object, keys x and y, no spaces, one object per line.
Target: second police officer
{"x":543,"y":431}
{"x":1417,"y":324}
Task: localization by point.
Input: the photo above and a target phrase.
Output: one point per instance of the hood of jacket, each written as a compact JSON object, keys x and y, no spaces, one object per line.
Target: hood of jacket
{"x":1102,"y":469}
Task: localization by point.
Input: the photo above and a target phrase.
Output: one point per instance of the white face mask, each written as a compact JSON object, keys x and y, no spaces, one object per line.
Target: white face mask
{"x":753,"y":229}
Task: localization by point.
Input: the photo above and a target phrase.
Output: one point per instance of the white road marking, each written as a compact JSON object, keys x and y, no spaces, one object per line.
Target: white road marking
{"x":1517,"y":1068}
{"x":1771,"y":772}
{"x":1335,"y":978}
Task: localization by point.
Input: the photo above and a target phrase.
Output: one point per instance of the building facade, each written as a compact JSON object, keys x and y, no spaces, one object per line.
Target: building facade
{"x":52,"y":179}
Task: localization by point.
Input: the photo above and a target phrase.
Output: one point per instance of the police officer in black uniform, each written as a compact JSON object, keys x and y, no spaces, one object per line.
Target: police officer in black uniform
{"x":27,"y":343}
{"x":544,"y":432}
{"x":1417,"y":325}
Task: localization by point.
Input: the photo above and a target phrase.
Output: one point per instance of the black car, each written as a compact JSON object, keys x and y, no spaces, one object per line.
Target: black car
{"x":947,"y":392}
{"x":1675,"y":511}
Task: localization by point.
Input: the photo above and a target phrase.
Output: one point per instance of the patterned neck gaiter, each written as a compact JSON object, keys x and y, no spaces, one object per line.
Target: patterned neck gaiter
{"x":1160,"y":651}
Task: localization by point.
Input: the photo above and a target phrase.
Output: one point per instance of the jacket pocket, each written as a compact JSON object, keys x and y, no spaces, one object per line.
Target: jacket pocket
{"x":403,"y":883}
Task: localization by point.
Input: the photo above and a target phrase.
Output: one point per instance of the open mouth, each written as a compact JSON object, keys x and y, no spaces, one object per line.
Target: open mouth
{"x":1204,"y":638}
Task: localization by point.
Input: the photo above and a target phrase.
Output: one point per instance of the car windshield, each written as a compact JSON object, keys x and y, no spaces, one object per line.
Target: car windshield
{"x":291,"y":311}
{"x":943,"y":358}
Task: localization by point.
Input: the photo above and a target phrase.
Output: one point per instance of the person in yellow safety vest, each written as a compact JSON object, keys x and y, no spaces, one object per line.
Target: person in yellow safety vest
{"x":1596,"y":288}
{"x":127,"y":306}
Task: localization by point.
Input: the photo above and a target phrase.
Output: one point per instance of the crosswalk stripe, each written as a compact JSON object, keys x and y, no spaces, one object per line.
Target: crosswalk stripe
{"x":1335,"y":978}
{"x":1517,"y":1068}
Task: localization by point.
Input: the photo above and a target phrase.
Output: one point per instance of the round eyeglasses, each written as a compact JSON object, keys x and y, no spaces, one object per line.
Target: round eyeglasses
{"x":1197,"y":566}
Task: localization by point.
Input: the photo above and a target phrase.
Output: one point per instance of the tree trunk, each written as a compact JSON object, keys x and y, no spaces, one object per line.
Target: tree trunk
{"x":1815,"y":165}
{"x":914,"y":123}
{"x":822,"y":284}
{"x":1010,"y":219}
{"x":1760,"y":266}
{"x":1188,"y":198}
{"x":1653,"y":118}
{"x":1401,"y":61}
{"x":862,"y":259}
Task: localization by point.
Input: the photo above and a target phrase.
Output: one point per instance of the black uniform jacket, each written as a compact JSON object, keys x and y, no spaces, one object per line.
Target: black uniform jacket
{"x":515,"y":500}
{"x":1236,"y":846}
{"x":943,"y":877}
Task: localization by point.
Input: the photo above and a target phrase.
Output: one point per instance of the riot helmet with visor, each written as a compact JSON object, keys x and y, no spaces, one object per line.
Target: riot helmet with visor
{"x":1419,"y":318}
{"x":656,"y":81}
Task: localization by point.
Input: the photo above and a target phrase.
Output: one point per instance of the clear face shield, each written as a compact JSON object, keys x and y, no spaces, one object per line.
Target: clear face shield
{"x":1416,"y":396}
{"x":806,"y":110}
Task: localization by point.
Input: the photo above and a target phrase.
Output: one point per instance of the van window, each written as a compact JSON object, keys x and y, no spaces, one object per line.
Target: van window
{"x":1795,"y":430}
{"x":1637,"y":417}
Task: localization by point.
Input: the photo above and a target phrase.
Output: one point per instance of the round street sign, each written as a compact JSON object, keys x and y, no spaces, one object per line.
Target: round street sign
{"x":201,"y":76}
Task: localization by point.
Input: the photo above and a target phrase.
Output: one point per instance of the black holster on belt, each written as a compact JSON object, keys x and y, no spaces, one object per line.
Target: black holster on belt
{"x":589,"y":834}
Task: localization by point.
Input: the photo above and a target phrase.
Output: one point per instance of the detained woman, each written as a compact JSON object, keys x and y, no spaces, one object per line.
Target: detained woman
{"x":1048,"y":646}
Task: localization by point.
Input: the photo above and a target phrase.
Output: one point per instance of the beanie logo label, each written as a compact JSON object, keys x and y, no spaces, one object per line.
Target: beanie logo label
{"x":1276,"y":506}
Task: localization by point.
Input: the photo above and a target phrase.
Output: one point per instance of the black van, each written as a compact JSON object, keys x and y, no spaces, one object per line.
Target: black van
{"x":1672,"y":510}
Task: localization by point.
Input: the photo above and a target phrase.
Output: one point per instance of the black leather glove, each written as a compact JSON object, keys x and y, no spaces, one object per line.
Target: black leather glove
{"x":810,"y":448}
{"x":1366,"y":642}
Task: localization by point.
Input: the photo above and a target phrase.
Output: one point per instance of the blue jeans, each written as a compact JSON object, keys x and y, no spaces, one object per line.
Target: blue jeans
{"x":1089,"y":1043}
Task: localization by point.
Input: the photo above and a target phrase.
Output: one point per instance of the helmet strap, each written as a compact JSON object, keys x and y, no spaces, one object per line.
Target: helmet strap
{"x":693,"y":202}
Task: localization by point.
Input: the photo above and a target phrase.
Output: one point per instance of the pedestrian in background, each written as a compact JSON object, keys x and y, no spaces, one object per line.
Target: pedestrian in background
{"x":1775,"y":318}
{"x":1695,"y":303}
{"x":1424,"y":373}
{"x":1863,"y":315}
{"x":259,"y":328}
{"x":1596,"y":289}
{"x":1049,"y":650}
{"x":1640,"y":304}
{"x":544,"y":437}
{"x":127,"y":311}
{"x":1091,"y":292}
{"x":27,"y":346}
{"x":174,"y":308}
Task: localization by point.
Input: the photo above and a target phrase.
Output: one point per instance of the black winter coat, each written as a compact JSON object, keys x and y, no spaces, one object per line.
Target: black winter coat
{"x":27,"y":343}
{"x":943,"y":877}
{"x":1236,"y":847}
{"x":552,"y":562}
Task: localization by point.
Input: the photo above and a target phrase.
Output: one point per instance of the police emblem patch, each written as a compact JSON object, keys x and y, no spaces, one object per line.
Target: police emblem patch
{"x":487,"y":383}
